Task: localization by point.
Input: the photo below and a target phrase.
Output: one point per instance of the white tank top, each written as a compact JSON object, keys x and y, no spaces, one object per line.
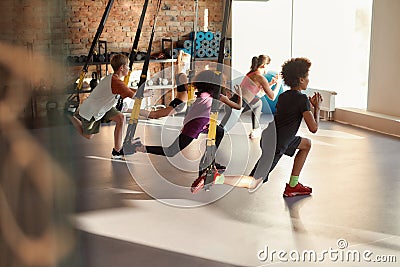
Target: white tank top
{"x":100,"y":100}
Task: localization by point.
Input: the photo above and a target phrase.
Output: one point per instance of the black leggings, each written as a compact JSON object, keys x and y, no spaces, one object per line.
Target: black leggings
{"x":180,"y":143}
{"x":256,"y":109}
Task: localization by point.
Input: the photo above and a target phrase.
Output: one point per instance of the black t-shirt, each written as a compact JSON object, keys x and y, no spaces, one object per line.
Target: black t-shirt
{"x":289,"y":114}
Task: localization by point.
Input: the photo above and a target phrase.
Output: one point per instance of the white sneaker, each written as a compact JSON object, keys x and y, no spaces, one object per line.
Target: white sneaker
{"x":256,"y":133}
{"x":255,"y":184}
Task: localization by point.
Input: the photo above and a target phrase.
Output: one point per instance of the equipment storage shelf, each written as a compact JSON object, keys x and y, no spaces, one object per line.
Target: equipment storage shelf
{"x":160,"y":82}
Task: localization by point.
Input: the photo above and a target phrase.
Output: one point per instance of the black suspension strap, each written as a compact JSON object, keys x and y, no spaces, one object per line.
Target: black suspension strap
{"x":128,"y":145}
{"x":209,"y":159}
{"x":134,"y":50}
{"x":192,"y":70}
{"x":84,"y":71}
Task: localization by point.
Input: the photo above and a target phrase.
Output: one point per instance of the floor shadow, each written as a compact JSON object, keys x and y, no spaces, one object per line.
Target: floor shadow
{"x":293,"y":205}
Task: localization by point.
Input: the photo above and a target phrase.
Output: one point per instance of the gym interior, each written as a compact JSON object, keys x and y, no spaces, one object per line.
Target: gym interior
{"x":65,"y":202}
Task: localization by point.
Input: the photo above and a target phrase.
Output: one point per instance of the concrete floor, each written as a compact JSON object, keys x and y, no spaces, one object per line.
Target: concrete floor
{"x":141,"y":212}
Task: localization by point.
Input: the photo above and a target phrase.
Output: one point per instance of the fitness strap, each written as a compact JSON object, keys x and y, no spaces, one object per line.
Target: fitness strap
{"x":192,"y":70}
{"x":134,"y":51}
{"x":129,"y":142}
{"x":95,"y":40}
{"x":210,"y":143}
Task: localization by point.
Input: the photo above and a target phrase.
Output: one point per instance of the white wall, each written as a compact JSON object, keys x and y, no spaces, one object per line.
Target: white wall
{"x":384,"y":71}
{"x":260,"y":28}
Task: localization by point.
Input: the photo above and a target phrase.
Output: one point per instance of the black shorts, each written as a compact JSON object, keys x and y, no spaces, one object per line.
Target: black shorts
{"x":290,"y":148}
{"x":287,"y":150}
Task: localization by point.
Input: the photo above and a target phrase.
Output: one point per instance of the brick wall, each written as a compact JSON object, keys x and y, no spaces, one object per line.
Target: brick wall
{"x":175,"y":20}
{"x":59,"y":28}
{"x":67,"y":27}
{"x":34,"y":21}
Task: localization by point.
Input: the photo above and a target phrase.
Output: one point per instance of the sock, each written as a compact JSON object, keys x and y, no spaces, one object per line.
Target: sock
{"x":220,"y":179}
{"x":294,"y":180}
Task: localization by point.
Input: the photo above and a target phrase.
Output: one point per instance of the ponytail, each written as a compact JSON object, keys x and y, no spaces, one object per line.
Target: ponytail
{"x":256,"y":62}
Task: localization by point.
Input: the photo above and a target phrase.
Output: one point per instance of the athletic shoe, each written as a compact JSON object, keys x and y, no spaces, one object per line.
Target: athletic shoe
{"x":199,"y":182}
{"x":220,"y":167}
{"x":118,"y":154}
{"x":299,"y":189}
{"x":256,"y":133}
{"x":133,"y":146}
{"x":255,"y":185}
{"x":77,"y":115}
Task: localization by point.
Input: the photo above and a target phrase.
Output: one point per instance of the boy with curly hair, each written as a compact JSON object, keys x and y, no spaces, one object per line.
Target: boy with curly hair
{"x":293,"y":106}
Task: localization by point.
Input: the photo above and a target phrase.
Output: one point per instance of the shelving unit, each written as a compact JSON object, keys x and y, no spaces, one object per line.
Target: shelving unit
{"x":166,"y":46}
{"x":171,"y":84}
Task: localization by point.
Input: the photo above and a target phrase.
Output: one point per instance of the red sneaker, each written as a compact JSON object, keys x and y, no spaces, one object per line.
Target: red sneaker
{"x":299,"y":189}
{"x":199,"y":182}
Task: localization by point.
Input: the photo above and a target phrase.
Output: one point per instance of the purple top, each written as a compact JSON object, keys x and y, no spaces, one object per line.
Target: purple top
{"x":198,"y":117}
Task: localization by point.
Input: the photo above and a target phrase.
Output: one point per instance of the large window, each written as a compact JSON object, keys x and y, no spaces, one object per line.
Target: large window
{"x":334,"y":35}
{"x":260,"y":28}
